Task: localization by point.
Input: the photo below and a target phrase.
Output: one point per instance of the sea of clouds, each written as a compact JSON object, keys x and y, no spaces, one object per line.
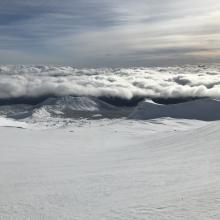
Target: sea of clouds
{"x":164,"y":82}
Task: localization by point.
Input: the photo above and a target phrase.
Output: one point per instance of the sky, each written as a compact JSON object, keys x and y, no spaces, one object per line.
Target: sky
{"x":109,"y":33}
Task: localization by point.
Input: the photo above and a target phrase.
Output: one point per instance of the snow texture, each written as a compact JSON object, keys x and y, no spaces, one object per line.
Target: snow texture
{"x":111,"y":169}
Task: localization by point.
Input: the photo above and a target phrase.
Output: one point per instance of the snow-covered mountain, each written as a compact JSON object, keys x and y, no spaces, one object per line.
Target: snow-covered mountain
{"x":71,"y":107}
{"x":200,"y":109}
{"x":64,"y":107}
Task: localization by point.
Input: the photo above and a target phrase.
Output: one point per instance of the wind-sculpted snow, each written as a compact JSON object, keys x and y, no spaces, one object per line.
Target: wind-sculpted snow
{"x":171,"y":82}
{"x":124,"y":170}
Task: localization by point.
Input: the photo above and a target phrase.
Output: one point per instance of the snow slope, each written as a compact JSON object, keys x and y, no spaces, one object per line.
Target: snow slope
{"x":96,"y":161}
{"x":112,"y":169}
{"x":200,"y":109}
{"x":7,"y":122}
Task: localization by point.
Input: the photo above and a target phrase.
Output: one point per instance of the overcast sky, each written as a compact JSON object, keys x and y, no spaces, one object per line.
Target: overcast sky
{"x":97,"y":33}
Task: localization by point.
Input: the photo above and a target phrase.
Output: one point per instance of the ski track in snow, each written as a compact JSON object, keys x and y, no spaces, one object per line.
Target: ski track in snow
{"x":111,"y":169}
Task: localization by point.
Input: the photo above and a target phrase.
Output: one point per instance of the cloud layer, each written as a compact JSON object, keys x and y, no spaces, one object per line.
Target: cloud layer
{"x":170,"y":82}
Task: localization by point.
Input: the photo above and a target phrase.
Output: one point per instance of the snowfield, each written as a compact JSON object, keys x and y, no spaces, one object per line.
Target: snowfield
{"x":110,"y":144}
{"x":111,"y":169}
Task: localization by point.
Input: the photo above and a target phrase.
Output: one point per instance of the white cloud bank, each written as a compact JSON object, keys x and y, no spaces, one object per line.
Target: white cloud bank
{"x":179,"y":81}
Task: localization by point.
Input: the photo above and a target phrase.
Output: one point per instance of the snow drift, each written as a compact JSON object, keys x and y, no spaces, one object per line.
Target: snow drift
{"x":201,"y":109}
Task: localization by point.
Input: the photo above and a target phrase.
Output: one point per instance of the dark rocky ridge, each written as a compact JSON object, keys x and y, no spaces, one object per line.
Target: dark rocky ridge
{"x":115,"y":101}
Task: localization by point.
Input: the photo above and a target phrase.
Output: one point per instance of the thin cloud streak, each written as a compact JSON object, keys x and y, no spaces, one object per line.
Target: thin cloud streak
{"x":110,"y":33}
